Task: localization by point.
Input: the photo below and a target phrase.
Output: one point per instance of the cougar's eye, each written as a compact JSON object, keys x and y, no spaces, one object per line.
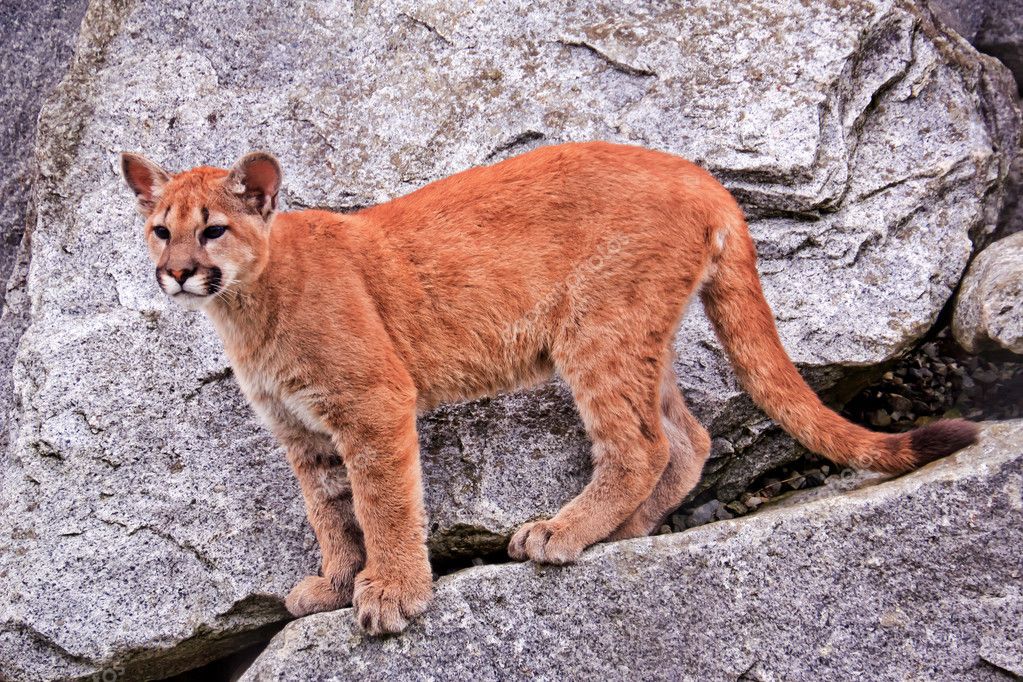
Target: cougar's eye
{"x":214,"y":231}
{"x":161,"y":232}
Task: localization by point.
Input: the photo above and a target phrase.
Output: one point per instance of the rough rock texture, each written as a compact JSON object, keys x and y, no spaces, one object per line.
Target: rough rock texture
{"x":989,"y":307}
{"x":915,"y":578}
{"x":867,"y":145}
{"x":36,"y":41}
{"x":994,"y":27}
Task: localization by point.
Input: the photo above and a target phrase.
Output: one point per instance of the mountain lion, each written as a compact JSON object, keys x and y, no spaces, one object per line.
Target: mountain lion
{"x":577,"y":259}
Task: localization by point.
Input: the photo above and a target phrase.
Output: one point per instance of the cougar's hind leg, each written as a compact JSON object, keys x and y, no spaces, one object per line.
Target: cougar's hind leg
{"x":689,"y":445}
{"x":616,"y":391}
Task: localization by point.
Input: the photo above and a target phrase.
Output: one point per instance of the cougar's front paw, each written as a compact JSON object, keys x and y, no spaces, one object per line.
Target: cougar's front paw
{"x":385,"y":604}
{"x":314,"y":594}
{"x":545,"y":542}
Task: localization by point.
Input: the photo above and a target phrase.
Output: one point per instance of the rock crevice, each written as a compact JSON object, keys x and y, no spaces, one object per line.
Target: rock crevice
{"x":916,"y":577}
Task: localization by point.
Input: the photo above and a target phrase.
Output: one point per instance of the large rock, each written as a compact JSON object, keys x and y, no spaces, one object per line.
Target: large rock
{"x":36,"y":41}
{"x":146,"y":520}
{"x":989,"y":307}
{"x":994,"y":27}
{"x":915,"y":578}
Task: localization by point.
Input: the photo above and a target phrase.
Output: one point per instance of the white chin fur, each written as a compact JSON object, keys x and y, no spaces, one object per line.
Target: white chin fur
{"x":191,"y":296}
{"x":190,"y":301}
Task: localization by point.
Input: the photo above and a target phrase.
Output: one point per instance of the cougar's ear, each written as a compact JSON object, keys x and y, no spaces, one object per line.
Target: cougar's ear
{"x":256,"y":179}
{"x":145,"y":178}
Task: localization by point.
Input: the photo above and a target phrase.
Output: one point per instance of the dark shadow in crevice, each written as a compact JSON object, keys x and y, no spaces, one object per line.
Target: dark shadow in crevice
{"x":231,"y":667}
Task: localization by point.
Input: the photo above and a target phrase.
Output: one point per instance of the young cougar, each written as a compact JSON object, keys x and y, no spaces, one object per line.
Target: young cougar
{"x":577,"y":259}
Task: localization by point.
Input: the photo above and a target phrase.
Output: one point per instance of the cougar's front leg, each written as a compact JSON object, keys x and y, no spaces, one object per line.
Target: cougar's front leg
{"x":381,"y":450}
{"x":328,"y":501}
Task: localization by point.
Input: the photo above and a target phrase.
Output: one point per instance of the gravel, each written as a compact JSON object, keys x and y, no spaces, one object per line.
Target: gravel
{"x":940,"y":380}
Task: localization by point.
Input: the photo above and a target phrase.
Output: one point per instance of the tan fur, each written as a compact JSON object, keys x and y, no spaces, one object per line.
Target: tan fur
{"x":577,"y":259}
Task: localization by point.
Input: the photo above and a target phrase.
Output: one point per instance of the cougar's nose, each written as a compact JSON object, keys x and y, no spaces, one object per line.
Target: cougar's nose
{"x":181,"y":275}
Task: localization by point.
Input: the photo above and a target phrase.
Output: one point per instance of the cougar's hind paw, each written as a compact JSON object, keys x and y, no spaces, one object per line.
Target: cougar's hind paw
{"x":545,"y":542}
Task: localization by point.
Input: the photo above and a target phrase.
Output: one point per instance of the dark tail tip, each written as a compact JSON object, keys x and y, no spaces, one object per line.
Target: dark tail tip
{"x":941,"y":438}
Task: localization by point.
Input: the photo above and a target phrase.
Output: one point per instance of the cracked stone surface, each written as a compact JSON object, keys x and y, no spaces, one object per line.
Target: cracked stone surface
{"x":36,"y":44}
{"x":989,"y":307}
{"x":36,"y":41}
{"x":994,"y":27}
{"x":147,"y":522}
{"x":915,"y":578}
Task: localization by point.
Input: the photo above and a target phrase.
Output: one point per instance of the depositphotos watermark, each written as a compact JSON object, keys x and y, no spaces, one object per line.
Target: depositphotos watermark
{"x":112,"y":674}
{"x":570,"y":286}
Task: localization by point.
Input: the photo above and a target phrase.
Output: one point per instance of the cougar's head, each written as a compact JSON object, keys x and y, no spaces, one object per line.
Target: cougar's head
{"x":207,"y":229}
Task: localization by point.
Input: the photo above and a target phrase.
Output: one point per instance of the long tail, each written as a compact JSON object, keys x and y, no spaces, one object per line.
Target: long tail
{"x":744,"y":324}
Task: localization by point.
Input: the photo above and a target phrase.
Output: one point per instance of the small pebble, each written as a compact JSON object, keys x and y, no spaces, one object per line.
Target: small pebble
{"x":815,"y":477}
{"x":901,"y":403}
{"x":705,"y":513}
{"x":986,"y":376}
{"x":737,"y":508}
